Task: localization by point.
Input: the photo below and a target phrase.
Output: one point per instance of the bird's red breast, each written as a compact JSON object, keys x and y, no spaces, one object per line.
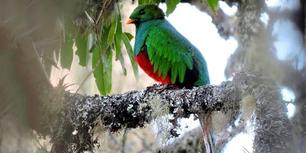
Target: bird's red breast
{"x":143,"y":61}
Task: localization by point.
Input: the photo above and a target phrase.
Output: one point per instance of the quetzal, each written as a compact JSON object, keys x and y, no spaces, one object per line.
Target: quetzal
{"x":166,"y":55}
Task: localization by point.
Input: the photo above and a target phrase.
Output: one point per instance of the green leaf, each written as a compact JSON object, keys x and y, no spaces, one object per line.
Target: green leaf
{"x":112,"y":31}
{"x":67,"y":52}
{"x":129,"y":50}
{"x":104,"y":37}
{"x":213,"y":5}
{"x":82,"y":51}
{"x":91,"y":40}
{"x":102,"y":69}
{"x":118,"y":46}
{"x":171,"y":5}
{"x":155,"y":1}
{"x":140,"y":2}
{"x":129,"y":35}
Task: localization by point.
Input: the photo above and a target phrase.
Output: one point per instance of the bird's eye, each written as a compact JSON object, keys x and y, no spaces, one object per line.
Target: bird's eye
{"x":142,"y":12}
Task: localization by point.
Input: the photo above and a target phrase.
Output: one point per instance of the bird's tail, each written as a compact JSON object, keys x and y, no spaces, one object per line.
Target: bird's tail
{"x":206,"y":124}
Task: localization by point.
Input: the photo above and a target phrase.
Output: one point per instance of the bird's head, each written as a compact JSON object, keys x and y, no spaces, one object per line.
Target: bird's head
{"x":145,"y":13}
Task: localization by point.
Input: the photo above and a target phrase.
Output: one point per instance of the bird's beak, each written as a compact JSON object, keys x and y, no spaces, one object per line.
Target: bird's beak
{"x":130,"y":21}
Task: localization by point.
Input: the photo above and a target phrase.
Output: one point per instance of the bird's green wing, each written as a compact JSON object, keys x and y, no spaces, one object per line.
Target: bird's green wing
{"x":169,"y":51}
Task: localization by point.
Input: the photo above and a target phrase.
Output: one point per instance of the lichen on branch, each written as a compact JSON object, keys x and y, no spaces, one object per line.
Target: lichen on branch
{"x":74,"y":127}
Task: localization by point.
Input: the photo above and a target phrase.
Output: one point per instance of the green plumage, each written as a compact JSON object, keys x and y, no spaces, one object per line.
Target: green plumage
{"x":168,"y":51}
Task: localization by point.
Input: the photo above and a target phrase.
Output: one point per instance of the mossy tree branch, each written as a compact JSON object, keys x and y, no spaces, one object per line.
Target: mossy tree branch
{"x":81,"y":114}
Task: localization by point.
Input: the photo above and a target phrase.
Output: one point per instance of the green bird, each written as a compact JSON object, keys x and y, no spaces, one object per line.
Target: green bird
{"x":163,"y":53}
{"x":166,"y":55}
